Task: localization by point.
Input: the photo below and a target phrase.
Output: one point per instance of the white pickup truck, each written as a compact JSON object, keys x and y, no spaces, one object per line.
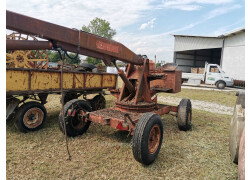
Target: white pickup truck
{"x":213,"y":74}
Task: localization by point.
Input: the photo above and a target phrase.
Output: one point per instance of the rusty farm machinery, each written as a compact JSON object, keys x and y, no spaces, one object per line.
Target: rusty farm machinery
{"x":136,"y":108}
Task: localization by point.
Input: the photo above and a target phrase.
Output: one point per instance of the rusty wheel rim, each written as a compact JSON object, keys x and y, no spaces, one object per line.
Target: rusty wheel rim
{"x":33,"y":118}
{"x":78,"y":120}
{"x":154,"y":139}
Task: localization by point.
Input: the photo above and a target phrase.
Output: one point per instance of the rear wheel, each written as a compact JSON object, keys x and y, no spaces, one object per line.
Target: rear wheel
{"x":98,"y":102}
{"x":69,"y":96}
{"x":220,"y":84}
{"x":74,"y":117}
{"x":147,"y":138}
{"x":184,"y":116}
{"x":30,"y":117}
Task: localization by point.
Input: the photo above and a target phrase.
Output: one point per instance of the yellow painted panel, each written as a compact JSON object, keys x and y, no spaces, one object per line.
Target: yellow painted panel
{"x":45,"y":80}
{"x":17,"y":80}
{"x":109,"y":80}
{"x":93,"y":81}
{"x":68,"y":80}
{"x":55,"y":80}
{"x":79,"y":80}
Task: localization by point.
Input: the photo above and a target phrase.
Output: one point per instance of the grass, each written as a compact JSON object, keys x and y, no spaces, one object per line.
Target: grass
{"x":219,"y":97}
{"x":105,"y":153}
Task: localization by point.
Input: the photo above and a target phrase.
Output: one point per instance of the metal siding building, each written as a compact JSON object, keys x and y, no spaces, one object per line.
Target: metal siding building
{"x":227,"y":50}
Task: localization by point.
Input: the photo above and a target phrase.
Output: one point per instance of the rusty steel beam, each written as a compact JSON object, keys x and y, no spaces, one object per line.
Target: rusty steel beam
{"x":27,"y":45}
{"x":110,"y":49}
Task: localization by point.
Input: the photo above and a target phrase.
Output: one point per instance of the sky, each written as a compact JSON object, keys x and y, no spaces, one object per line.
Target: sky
{"x":144,"y":26}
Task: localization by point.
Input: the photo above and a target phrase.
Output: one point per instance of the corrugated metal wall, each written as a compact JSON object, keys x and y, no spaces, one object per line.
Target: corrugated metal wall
{"x":233,"y":62}
{"x":184,"y":43}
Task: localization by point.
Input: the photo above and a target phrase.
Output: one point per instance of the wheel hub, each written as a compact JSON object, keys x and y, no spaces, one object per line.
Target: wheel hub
{"x":78,"y":120}
{"x":33,"y":117}
{"x":154,"y":139}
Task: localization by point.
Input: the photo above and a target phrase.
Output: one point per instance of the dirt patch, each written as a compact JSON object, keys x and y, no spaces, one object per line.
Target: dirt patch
{"x":200,"y":105}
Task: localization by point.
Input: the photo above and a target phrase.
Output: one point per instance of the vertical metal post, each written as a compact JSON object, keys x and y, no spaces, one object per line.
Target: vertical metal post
{"x":62,"y":100}
{"x":222,"y":52}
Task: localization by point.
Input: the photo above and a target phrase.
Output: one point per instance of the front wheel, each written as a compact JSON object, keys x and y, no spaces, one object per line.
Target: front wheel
{"x":220,"y":85}
{"x":147,"y":138}
{"x":30,"y":116}
{"x":74,"y":117}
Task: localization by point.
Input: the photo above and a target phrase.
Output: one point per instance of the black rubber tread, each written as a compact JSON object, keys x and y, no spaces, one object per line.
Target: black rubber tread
{"x":69,"y":96}
{"x":182,"y":117}
{"x":71,"y":131}
{"x":21,"y":112}
{"x":140,"y":138}
{"x":219,"y":82}
{"x":94,"y":101}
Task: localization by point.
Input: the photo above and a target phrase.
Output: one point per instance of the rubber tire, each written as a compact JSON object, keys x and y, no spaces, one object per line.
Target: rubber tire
{"x":140,"y":138}
{"x":71,"y":131}
{"x":96,"y":100}
{"x":69,"y":96}
{"x":21,"y":112}
{"x":218,"y":85}
{"x":182,"y":116}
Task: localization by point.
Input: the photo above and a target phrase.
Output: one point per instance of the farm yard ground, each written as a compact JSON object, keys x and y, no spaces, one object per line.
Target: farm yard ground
{"x":105,"y":153}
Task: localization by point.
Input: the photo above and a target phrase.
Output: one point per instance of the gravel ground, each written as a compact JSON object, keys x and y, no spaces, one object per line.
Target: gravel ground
{"x":200,"y":105}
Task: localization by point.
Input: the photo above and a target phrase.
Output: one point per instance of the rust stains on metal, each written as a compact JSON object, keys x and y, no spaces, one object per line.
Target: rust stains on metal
{"x":27,"y":81}
{"x":69,"y":39}
{"x":27,"y":45}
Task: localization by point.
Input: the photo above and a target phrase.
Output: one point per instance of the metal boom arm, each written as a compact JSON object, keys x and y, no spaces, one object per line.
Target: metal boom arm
{"x":72,"y":40}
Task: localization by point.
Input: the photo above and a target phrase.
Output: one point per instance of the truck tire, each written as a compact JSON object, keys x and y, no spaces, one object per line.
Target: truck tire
{"x":69,"y":96}
{"x":147,"y":138}
{"x":220,"y":85}
{"x":30,"y":116}
{"x":74,"y":121}
{"x":98,"y":102}
{"x":184,"y":115}
{"x":236,"y":126}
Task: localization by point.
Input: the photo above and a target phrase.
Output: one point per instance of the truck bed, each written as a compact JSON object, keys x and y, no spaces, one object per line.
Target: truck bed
{"x":193,"y":76}
{"x":21,"y":81}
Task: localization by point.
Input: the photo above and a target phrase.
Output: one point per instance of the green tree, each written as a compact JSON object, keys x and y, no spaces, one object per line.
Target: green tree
{"x":158,"y":65}
{"x":94,"y":61}
{"x":55,"y":57}
{"x":101,"y":28}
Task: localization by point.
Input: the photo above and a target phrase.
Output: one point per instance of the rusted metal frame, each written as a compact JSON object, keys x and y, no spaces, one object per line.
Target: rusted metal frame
{"x":135,"y":108}
{"x":130,"y":69}
{"x":142,"y":81}
{"x":126,"y":81}
{"x":45,"y":30}
{"x":27,"y":45}
{"x":51,"y":91}
{"x":166,"y":109}
{"x":112,"y":121}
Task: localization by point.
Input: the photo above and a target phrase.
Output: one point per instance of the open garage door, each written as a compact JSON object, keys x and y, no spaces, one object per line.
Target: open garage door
{"x":197,"y":58}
